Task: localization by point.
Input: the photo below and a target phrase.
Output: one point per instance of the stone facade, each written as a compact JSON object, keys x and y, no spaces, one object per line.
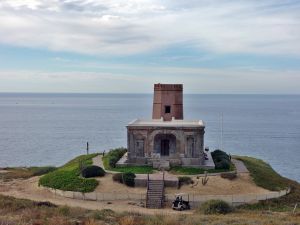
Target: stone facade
{"x":154,"y":145}
{"x":167,"y":139}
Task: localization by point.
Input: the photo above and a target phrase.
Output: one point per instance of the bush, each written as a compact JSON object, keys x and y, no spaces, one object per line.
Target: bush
{"x":216,"y":207}
{"x":93,"y":171}
{"x":112,"y":157}
{"x":221,"y":159}
{"x":126,"y":178}
{"x":113,"y":161}
{"x":185,"y":181}
{"x":129,"y":179}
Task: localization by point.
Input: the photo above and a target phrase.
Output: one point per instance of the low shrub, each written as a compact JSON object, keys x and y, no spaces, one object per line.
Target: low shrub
{"x":229,"y":176}
{"x":112,"y":157}
{"x":129,"y":179}
{"x":125,"y":178}
{"x":185,"y":181}
{"x":113,"y":161}
{"x":221,"y":159}
{"x":215,"y":207}
{"x":93,"y":171}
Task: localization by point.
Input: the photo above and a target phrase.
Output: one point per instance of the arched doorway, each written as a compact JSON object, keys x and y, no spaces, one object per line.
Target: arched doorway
{"x":165,"y":144}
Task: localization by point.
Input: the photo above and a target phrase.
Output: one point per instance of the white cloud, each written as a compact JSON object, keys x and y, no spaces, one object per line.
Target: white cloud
{"x":120,"y":27}
{"x":139,"y":79}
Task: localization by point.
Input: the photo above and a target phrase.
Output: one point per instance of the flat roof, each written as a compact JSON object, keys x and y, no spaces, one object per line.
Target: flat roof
{"x":161,"y":123}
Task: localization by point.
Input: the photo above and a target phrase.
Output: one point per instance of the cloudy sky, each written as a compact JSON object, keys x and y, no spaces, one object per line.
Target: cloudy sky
{"x":211,"y":46}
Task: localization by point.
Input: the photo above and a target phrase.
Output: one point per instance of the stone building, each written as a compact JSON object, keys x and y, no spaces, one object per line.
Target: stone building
{"x":166,"y":139}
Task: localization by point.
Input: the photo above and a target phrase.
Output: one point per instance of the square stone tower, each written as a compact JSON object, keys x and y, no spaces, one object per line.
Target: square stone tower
{"x":168,"y":102}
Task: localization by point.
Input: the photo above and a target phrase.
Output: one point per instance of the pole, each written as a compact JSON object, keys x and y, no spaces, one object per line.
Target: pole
{"x":87,"y":148}
{"x":222,"y":131}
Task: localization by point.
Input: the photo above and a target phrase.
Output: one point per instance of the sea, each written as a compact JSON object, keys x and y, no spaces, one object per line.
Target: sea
{"x":50,"y":129}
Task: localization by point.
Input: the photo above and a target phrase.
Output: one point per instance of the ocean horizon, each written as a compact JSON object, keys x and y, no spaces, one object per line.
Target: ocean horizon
{"x":38,"y":129}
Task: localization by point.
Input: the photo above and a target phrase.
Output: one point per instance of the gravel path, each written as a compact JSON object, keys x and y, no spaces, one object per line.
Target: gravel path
{"x":240,"y":166}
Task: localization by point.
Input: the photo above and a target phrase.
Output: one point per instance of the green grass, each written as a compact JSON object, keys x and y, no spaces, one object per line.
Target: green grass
{"x":134,"y":169}
{"x":264,"y":176}
{"x":67,"y":177}
{"x":179,"y":170}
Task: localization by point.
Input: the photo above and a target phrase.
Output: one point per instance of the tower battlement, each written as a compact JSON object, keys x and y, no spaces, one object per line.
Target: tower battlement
{"x":168,"y":87}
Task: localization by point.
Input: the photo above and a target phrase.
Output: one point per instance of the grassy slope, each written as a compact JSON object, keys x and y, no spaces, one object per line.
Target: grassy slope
{"x":67,"y":177}
{"x":264,"y":176}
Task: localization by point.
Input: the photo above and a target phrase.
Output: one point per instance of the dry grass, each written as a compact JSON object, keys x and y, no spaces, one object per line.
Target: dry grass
{"x":9,"y":174}
{"x":24,"y":212}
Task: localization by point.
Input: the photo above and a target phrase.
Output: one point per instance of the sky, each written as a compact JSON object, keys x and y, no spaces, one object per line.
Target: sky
{"x":117,"y":46}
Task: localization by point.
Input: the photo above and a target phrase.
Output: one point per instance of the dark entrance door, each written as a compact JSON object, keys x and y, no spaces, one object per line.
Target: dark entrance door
{"x":165,"y":147}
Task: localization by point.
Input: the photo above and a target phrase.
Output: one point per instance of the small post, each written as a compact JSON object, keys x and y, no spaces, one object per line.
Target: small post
{"x":295,"y":208}
{"x":87,"y":148}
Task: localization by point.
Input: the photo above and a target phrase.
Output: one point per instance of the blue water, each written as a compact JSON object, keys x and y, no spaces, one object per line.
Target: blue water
{"x":49,"y":129}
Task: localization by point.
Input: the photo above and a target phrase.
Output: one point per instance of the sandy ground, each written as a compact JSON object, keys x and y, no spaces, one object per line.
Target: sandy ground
{"x":216,"y":185}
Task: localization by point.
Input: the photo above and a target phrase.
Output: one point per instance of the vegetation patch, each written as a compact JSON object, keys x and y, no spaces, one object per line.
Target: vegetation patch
{"x":263,"y":174}
{"x":92,"y":171}
{"x":134,"y":169}
{"x":125,"y":178}
{"x":67,"y":177}
{"x":215,"y":207}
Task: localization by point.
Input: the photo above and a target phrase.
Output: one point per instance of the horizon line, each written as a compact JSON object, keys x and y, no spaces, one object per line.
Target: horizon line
{"x":143,"y":93}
